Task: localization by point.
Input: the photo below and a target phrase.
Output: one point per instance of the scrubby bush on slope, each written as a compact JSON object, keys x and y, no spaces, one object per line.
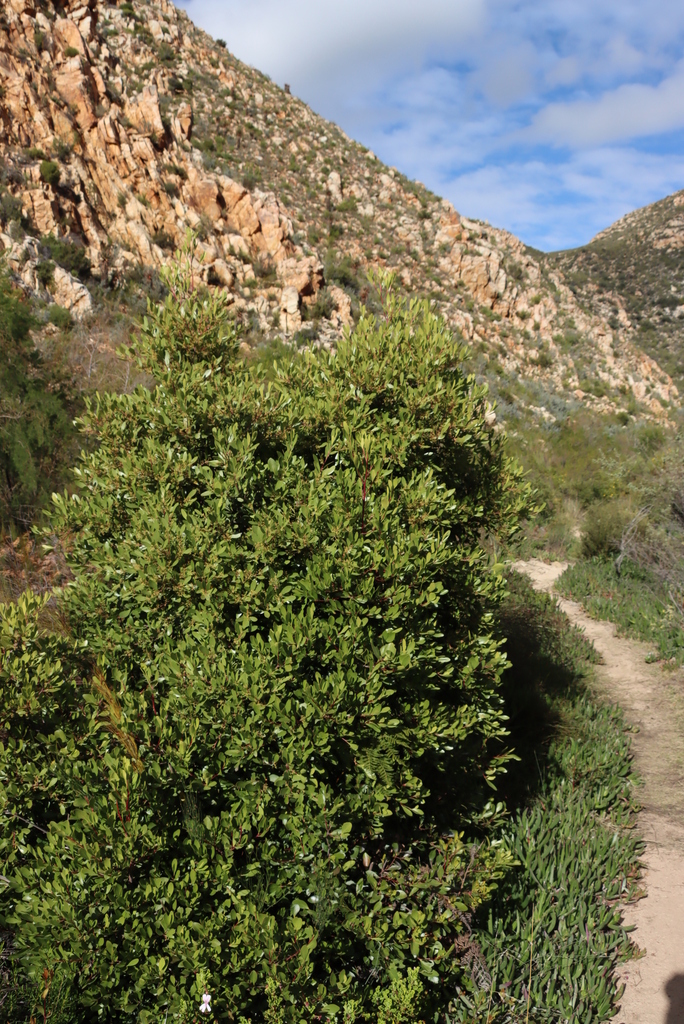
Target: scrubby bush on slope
{"x":35,"y":424}
{"x":251,"y":760}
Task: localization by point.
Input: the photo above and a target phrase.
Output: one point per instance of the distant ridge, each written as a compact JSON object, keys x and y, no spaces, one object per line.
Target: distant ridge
{"x":637,"y":265}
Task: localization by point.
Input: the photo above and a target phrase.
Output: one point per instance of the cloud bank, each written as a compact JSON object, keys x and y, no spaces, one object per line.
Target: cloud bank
{"x":549,"y":119}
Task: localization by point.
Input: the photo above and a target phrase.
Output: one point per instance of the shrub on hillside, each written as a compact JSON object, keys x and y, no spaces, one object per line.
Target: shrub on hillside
{"x":60,"y":317}
{"x":50,"y":172}
{"x":70,"y":255}
{"x":248,"y":761}
{"x":35,"y":421}
{"x":602,"y":531}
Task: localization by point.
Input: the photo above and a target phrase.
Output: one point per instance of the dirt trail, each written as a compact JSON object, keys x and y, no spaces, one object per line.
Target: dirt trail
{"x":653,"y":700}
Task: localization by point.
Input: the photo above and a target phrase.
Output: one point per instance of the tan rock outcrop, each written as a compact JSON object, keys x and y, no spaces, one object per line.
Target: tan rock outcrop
{"x":70,"y":293}
{"x":220,"y":273}
{"x":207,"y":198}
{"x":75,"y":88}
{"x":132,"y":186}
{"x":181,"y":125}
{"x":42,"y":209}
{"x":67,"y":35}
{"x":342,"y":317}
{"x":304,"y":275}
{"x":290,"y":317}
{"x":143,"y":111}
{"x":334,"y":186}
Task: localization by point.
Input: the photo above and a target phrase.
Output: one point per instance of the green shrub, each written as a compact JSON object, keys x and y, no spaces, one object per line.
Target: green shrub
{"x":321,"y":308}
{"x":62,"y":149}
{"x":250,"y":179}
{"x":166,"y":53}
{"x":60,"y":317}
{"x":163,"y":239}
{"x":178,"y":170}
{"x":10,"y":208}
{"x":50,"y":172}
{"x":71,"y":51}
{"x":16,"y":318}
{"x":345,"y":273}
{"x":602,"y":531}
{"x":347,"y":205}
{"x":45,"y":272}
{"x":35,"y":418}
{"x":272,"y":707}
{"x":545,"y":359}
{"x":69,"y":255}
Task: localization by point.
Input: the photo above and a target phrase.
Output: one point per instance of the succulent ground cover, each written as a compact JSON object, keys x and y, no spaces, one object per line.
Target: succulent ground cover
{"x":556,"y":920}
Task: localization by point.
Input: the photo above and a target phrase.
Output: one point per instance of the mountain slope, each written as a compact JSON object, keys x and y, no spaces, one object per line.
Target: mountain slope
{"x":633,"y":274}
{"x":123,"y":125}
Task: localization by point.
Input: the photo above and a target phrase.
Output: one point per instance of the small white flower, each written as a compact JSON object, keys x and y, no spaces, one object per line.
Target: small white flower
{"x":205,"y":1006}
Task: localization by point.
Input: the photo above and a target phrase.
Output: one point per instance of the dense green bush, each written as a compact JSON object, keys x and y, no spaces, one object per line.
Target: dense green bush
{"x":69,"y":255}
{"x":60,"y":317}
{"x":45,"y":272}
{"x":249,"y":760}
{"x":35,"y":416}
{"x":50,"y":172}
{"x":603,"y":529}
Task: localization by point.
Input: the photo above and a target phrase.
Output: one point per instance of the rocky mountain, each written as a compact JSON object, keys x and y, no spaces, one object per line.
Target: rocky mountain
{"x":635,"y":269}
{"x":122,"y":126}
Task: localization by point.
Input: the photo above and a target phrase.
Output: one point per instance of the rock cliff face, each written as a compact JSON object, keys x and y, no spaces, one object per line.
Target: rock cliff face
{"x":122,"y":126}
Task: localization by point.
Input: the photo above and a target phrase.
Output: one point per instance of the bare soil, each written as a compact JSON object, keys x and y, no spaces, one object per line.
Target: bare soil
{"x":652,"y":699}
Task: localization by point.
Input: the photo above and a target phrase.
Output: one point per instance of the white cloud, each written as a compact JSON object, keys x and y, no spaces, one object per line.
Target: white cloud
{"x":564,"y":71}
{"x":629,"y":112}
{"x":560,"y":205}
{"x":301,"y":41}
{"x":507,"y":77}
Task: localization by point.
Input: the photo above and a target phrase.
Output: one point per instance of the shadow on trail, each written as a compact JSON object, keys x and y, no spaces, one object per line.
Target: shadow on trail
{"x":674,"y":990}
{"x":549,"y":661}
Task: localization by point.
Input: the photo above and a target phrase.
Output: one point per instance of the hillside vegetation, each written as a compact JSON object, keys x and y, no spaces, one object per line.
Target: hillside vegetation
{"x":632,"y":274}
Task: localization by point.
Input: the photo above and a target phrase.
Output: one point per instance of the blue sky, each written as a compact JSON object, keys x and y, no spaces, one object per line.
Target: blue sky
{"x":551,"y":119}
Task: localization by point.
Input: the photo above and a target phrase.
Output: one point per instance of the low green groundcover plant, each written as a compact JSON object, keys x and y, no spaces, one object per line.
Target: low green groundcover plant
{"x":553,"y":933}
{"x":255,"y":762}
{"x":635,"y":600}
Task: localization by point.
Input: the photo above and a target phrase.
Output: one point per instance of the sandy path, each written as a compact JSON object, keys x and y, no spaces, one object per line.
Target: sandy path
{"x":653,"y":700}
